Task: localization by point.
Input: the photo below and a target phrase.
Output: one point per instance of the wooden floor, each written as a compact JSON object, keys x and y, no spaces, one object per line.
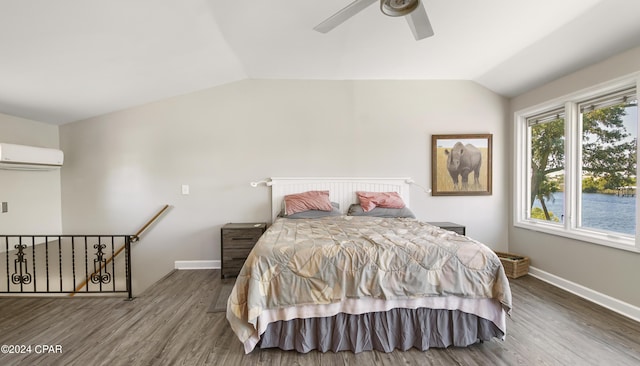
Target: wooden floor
{"x":169,"y":325}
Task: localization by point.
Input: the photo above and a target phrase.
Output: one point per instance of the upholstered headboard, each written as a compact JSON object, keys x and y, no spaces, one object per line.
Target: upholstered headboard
{"x":341,"y":190}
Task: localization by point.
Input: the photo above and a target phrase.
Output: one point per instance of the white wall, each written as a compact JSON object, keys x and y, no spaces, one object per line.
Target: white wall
{"x":33,"y":197}
{"x":608,"y":271}
{"x":122,"y":167}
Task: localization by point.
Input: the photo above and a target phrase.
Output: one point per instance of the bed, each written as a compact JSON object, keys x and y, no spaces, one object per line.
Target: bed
{"x":336,"y":282}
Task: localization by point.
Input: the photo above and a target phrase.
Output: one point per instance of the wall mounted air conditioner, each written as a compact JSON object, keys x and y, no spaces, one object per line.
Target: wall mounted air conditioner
{"x":21,"y":157}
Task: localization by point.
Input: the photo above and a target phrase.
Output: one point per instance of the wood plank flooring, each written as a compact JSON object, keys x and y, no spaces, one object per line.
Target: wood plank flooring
{"x":169,"y":325}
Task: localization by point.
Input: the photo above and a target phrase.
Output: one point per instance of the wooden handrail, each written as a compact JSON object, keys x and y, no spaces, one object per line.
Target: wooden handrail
{"x":132,"y":238}
{"x":136,"y":236}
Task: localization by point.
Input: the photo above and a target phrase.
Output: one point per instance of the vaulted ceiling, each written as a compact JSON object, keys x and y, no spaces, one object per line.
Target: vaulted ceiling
{"x":67,"y":60}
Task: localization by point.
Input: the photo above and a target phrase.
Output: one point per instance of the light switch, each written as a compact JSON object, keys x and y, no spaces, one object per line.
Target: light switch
{"x":185,"y":189}
{"x":5,"y":207}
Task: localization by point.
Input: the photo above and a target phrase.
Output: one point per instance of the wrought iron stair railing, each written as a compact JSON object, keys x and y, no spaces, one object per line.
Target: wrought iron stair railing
{"x":66,"y":264}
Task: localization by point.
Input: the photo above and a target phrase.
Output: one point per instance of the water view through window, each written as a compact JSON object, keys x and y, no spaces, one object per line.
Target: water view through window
{"x":607,"y":212}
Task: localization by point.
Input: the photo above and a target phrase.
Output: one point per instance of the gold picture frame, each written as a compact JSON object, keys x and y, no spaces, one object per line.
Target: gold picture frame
{"x":461,"y":165}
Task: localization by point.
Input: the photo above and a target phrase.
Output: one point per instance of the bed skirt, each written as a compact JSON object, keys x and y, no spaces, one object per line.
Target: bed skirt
{"x":399,"y":328}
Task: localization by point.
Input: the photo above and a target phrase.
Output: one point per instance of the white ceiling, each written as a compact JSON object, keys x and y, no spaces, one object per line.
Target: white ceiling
{"x":66,"y":60}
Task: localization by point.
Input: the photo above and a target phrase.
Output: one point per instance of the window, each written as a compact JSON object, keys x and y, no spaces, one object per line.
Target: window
{"x":546,"y":146}
{"x":608,"y":169}
{"x":576,"y":167}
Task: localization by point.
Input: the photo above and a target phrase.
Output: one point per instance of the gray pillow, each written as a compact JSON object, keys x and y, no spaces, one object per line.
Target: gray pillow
{"x":356,"y":210}
{"x":314,"y":214}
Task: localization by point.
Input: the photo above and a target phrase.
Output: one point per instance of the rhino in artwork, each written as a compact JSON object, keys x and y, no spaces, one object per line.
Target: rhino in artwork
{"x":461,"y":161}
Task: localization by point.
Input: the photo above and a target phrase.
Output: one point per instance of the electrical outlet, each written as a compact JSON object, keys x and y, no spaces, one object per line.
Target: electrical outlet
{"x":5,"y":207}
{"x":185,"y":189}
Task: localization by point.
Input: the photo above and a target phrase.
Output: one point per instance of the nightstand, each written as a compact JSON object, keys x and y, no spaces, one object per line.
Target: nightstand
{"x":449,"y":226}
{"x":237,"y":241}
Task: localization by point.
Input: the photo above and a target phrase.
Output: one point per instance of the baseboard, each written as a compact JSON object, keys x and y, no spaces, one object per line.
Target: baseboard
{"x":620,"y":307}
{"x":214,"y":264}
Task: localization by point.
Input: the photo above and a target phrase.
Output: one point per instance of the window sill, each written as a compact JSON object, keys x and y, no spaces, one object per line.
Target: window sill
{"x":590,"y":237}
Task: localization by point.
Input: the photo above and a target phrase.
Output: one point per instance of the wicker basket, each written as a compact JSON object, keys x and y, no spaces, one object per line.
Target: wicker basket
{"x":514,"y":265}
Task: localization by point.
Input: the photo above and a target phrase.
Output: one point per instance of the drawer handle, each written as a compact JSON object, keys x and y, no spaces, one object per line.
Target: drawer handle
{"x":249,"y":238}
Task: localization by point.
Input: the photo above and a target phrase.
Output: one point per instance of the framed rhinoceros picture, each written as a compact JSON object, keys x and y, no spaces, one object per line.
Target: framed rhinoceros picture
{"x":461,"y":165}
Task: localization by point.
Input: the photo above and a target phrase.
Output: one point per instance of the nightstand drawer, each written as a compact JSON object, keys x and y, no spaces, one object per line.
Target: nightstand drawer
{"x":234,"y":264}
{"x":235,"y":253}
{"x":239,"y":240}
{"x":238,"y":235}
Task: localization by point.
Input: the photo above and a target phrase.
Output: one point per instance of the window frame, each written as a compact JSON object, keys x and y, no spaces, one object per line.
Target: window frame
{"x":573,"y":150}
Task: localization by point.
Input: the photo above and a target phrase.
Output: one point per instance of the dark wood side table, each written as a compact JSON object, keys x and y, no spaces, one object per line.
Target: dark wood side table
{"x":237,"y":241}
{"x":451,"y":226}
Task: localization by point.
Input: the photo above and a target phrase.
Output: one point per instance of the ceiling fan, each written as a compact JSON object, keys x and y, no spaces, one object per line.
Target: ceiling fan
{"x":412,"y":10}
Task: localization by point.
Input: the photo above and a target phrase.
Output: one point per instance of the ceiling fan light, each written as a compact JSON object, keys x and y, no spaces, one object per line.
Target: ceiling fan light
{"x":397,"y":8}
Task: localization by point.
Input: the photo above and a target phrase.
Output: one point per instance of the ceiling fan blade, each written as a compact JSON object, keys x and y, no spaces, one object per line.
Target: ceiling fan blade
{"x":419,"y":23}
{"x":344,"y":14}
